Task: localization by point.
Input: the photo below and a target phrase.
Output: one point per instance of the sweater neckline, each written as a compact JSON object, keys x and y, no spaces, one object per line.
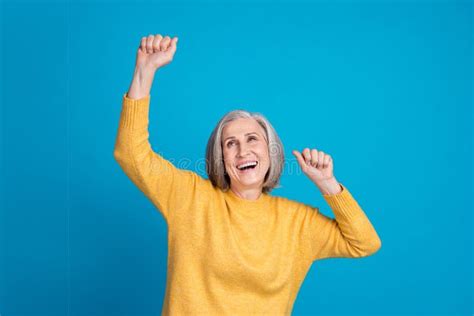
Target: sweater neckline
{"x":245,"y":205}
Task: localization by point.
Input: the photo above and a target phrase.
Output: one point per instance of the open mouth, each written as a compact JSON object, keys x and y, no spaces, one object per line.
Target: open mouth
{"x":245,"y":167}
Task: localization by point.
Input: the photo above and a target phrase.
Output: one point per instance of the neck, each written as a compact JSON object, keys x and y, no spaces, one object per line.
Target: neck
{"x":247,"y":193}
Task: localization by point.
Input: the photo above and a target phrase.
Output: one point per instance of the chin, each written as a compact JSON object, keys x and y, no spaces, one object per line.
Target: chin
{"x":251,"y":184}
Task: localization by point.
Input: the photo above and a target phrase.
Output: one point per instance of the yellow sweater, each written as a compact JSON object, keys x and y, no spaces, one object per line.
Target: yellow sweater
{"x":228,"y":255}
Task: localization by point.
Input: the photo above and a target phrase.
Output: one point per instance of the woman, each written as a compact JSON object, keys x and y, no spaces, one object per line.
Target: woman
{"x":233,"y":248}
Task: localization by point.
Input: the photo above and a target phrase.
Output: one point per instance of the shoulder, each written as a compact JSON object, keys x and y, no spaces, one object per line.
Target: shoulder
{"x":290,"y":205}
{"x":206,"y":189}
{"x":191,"y":185}
{"x":202,"y":182}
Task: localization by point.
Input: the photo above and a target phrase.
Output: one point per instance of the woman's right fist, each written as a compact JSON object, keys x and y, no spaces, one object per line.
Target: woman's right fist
{"x":155,"y":51}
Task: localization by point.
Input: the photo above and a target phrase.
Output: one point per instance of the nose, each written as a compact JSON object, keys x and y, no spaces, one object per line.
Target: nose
{"x":243,"y":150}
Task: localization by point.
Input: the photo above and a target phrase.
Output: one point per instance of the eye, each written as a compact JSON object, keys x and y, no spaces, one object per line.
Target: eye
{"x":252,"y":138}
{"x":230,"y":143}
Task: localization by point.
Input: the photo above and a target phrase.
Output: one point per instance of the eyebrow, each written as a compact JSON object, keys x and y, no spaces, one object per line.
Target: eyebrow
{"x":230,"y":137}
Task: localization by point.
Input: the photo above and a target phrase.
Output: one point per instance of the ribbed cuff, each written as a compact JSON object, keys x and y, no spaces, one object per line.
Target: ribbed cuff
{"x":135,"y":112}
{"x":344,"y":203}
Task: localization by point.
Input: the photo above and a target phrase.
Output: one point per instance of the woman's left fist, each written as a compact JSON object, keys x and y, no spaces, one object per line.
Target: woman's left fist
{"x":317,"y":165}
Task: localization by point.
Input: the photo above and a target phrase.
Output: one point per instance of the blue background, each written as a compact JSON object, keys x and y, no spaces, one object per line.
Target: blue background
{"x":384,"y":87}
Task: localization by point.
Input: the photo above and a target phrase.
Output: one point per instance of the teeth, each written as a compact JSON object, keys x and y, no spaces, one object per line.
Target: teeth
{"x":253,"y":163}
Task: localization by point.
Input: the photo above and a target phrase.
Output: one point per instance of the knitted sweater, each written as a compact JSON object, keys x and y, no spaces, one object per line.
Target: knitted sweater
{"x":228,"y":255}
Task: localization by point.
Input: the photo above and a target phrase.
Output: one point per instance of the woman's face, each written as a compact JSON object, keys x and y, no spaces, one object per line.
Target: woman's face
{"x":246,"y":156}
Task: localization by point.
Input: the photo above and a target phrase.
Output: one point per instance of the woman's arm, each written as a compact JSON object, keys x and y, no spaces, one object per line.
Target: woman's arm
{"x":169,"y":188}
{"x":351,"y":234}
{"x":141,"y":83}
{"x":153,"y":53}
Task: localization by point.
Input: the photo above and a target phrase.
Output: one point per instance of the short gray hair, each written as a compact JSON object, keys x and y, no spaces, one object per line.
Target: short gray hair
{"x":215,"y":167}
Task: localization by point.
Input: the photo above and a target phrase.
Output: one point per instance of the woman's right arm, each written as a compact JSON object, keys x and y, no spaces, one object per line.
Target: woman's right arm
{"x":153,"y":53}
{"x":168,"y":187}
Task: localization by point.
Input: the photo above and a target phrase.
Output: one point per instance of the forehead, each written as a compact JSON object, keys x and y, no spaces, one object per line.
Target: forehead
{"x":242,"y":126}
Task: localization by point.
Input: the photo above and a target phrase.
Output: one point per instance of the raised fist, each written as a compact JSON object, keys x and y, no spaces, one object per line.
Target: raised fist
{"x":156,"y":51}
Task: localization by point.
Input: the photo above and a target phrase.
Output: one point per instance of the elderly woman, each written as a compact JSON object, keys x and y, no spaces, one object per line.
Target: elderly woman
{"x":234,"y":249}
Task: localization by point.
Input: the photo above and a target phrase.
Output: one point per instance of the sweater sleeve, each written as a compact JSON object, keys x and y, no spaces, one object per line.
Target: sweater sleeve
{"x":349,"y":235}
{"x":170,"y":189}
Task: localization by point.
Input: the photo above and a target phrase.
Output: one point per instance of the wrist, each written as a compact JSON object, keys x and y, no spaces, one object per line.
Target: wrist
{"x":141,"y":83}
{"x":144,"y":75}
{"x":329,"y":187}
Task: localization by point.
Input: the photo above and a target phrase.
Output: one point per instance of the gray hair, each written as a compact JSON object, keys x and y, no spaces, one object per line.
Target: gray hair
{"x":215,"y":167}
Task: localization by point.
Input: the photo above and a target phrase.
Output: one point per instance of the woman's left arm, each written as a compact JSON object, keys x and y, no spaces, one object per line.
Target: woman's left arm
{"x":351,"y":234}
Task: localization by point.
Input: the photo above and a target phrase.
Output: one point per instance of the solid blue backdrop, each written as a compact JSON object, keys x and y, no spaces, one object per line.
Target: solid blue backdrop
{"x":384,"y":88}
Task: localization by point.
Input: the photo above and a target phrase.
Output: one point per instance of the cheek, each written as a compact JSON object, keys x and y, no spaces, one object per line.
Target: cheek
{"x":263,"y":151}
{"x":227,"y":154}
